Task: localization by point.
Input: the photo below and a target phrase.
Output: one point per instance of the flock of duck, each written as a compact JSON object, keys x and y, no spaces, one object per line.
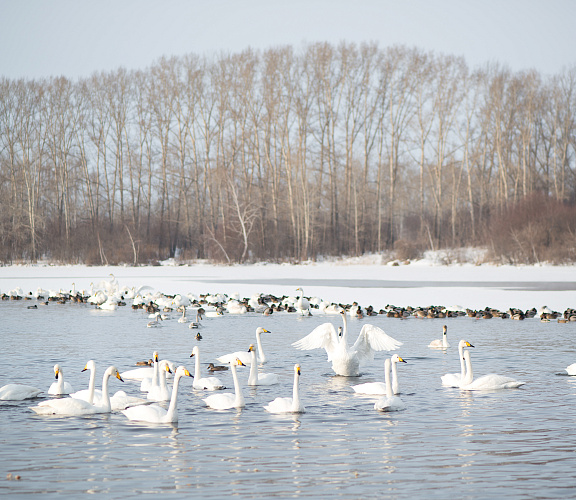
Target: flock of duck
{"x":346,"y":359}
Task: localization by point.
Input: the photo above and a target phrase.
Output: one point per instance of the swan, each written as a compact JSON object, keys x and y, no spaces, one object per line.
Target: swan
{"x":440,"y":343}
{"x":60,"y":387}
{"x":486,"y":382}
{"x":155,"y":413}
{"x":249,"y":358}
{"x":227,"y":400}
{"x":183,"y":318}
{"x":380,"y":387}
{"x":76,"y":407}
{"x":142,"y":373}
{"x":288,"y":405}
{"x":261,"y":356}
{"x":118,"y":401}
{"x":389,"y":402}
{"x":345,"y":360}
{"x":453,"y":379}
{"x":18,"y":392}
{"x":571,"y":369}
{"x":205,"y":383}
{"x":302,"y":304}
{"x":160,"y":392}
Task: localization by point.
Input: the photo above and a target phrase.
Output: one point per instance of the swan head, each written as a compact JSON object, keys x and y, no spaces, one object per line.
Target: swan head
{"x":155,"y":356}
{"x":444,"y":329}
{"x":397,"y":359}
{"x":89,"y":366}
{"x":238,"y":362}
{"x":297,"y":369}
{"x":181,"y":371}
{"x":464,"y":343}
{"x":57,"y":370}
{"x":113,"y":371}
{"x":195,"y":351}
{"x":260,"y":330}
{"x":165,"y":365}
{"x":251,"y":348}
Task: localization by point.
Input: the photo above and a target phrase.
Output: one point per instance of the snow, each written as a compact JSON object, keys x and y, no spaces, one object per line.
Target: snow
{"x":367,"y":280}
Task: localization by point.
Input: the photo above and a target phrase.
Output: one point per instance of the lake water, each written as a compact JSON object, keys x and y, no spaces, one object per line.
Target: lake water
{"x":516,"y":443}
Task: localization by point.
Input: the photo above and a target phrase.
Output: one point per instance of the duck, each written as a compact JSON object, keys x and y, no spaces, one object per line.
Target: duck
{"x":216,"y":368}
{"x":346,"y":360}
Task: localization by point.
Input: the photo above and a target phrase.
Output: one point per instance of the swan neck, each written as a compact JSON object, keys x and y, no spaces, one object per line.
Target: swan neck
{"x":394,"y":377}
{"x":469,"y":373}
{"x":296,"y":392}
{"x":91,"y":386}
{"x":260,"y":351}
{"x":389,"y":393}
{"x":155,"y":373}
{"x":253,"y":377}
{"x":105,"y":395}
{"x":345,"y":328}
{"x":174,"y":398}
{"x":237,"y":391}
{"x":197,"y":366}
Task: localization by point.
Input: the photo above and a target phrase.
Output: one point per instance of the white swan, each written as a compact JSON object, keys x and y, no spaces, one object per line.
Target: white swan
{"x":345,"y":360}
{"x":156,"y":414}
{"x":257,"y":378}
{"x":183,"y":318}
{"x":302,"y":304}
{"x":486,"y":382}
{"x":159,"y":391}
{"x":118,"y":401}
{"x":571,"y":369}
{"x":60,"y":387}
{"x":261,"y":356}
{"x":454,"y":379}
{"x":380,"y":387}
{"x":76,"y":407}
{"x":227,"y":400}
{"x":18,"y":392}
{"x":440,"y":343}
{"x":204,"y":383}
{"x":288,"y":405}
{"x":389,"y":402}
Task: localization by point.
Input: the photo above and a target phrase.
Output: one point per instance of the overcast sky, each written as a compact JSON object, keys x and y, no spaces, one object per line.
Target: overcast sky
{"x":40,"y":38}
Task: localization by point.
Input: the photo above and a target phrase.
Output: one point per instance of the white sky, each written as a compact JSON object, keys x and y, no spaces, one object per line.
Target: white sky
{"x":74,"y":38}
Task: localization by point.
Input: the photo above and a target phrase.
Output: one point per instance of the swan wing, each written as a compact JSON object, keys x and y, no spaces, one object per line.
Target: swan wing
{"x":373,"y":339}
{"x":322,"y":337}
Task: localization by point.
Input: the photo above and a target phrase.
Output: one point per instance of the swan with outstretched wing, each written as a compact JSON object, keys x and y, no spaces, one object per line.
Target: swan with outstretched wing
{"x":346,"y":360}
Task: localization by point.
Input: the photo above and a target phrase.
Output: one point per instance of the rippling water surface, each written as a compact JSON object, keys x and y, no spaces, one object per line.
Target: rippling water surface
{"x":513,"y":443}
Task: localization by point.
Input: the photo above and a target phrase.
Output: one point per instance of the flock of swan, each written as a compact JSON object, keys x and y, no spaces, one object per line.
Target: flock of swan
{"x":346,"y":360}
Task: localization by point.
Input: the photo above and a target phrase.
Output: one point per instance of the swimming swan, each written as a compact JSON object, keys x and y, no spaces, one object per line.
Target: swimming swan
{"x":156,"y":414}
{"x":204,"y":383}
{"x":118,"y":401}
{"x":380,"y":387}
{"x":160,"y":392}
{"x":77,"y":407}
{"x":453,"y":379}
{"x":227,"y":400}
{"x":18,"y":392}
{"x":261,"y":356}
{"x":288,"y":405}
{"x":440,"y":343}
{"x":389,"y":402}
{"x":486,"y":382}
{"x":60,"y":387}
{"x":345,"y":360}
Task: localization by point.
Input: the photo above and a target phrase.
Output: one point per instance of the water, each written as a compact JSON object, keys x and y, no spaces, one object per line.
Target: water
{"x":514,"y":443}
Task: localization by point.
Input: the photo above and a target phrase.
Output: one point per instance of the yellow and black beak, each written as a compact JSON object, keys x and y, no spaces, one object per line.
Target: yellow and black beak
{"x":187,"y":373}
{"x":401,"y":360}
{"x":168,"y":369}
{"x":118,"y":376}
{"x":239,"y":363}
{"x":192,"y":355}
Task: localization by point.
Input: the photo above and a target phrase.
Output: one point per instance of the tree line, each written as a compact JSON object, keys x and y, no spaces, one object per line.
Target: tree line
{"x":288,"y":154}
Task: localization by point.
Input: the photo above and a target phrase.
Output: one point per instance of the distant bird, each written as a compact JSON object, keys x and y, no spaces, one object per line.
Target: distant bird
{"x":440,"y":343}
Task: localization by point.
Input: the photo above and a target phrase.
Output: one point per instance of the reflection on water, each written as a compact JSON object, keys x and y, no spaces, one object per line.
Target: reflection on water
{"x":515,"y":443}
